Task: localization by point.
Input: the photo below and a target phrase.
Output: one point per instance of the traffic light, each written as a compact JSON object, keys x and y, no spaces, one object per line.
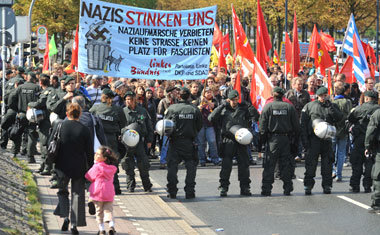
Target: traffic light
{"x":30,"y":47}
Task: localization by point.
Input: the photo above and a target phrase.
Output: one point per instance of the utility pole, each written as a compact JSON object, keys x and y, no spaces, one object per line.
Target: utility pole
{"x":30,"y":26}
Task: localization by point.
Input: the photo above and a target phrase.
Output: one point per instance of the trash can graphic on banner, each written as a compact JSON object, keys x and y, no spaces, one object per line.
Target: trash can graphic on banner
{"x":97,"y":53}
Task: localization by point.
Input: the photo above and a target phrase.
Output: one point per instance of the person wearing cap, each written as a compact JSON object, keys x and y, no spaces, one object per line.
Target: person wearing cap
{"x":25,"y":93}
{"x":230,"y":114}
{"x":44,"y":125}
{"x":136,"y":114}
{"x":359,"y":119}
{"x":182,"y":146}
{"x":113,"y":120}
{"x":340,"y":139}
{"x":323,"y":109}
{"x":372,"y":152}
{"x":58,"y":100}
{"x":119,"y":88}
{"x":163,"y":105}
{"x":279,"y":128}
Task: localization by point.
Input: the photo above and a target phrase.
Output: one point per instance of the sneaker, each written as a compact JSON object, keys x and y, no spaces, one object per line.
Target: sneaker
{"x":91,"y":208}
{"x":112,"y":231}
{"x":65,"y":225}
{"x":297,"y":159}
{"x":223,"y":191}
{"x":245,"y":192}
{"x":307,"y":191}
{"x":354,"y":190}
{"x":374,"y":210}
{"x":54,"y":184}
{"x":74,"y":230}
{"x":162,"y":166}
{"x":347,"y":164}
{"x":101,"y":232}
{"x":327,"y":190}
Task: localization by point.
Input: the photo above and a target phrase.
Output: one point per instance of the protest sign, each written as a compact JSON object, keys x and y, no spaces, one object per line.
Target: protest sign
{"x":123,"y":41}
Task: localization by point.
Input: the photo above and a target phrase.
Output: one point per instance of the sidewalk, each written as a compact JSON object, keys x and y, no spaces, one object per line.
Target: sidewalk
{"x":135,"y":213}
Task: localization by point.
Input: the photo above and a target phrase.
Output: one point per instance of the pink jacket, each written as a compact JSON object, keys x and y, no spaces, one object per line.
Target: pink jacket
{"x":101,"y":177}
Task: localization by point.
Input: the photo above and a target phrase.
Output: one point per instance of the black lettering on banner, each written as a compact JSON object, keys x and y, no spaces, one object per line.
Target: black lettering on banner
{"x":105,"y":13}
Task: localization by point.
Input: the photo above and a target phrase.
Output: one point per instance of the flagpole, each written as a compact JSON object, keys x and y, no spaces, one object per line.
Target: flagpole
{"x":233,"y":27}
{"x":345,"y":36}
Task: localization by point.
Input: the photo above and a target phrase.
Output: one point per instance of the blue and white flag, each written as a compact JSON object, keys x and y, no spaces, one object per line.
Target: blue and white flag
{"x":360,"y":65}
{"x":124,"y":41}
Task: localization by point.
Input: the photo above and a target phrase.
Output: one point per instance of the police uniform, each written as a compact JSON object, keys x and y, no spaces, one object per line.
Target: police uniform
{"x":371,"y":143}
{"x":43,"y":128}
{"x":279,"y":124}
{"x":361,"y":165}
{"x":242,"y":115}
{"x":27,"y":92}
{"x":316,"y":146}
{"x":188,"y":122}
{"x":140,"y":117}
{"x":113,"y":120}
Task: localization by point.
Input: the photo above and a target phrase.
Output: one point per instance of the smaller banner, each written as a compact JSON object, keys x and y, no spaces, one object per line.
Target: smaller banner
{"x":123,"y":41}
{"x":41,"y":40}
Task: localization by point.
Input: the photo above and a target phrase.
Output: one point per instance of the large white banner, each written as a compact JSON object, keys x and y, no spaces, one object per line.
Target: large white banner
{"x":123,"y":41}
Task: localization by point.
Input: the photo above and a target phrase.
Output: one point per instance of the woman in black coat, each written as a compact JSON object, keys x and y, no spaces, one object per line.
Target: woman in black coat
{"x":72,"y":164}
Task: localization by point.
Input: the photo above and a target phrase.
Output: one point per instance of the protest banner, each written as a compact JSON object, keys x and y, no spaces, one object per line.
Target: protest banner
{"x":304,"y":60}
{"x":124,"y":41}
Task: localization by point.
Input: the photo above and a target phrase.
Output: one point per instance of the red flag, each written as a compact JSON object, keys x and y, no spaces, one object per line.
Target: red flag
{"x":263,"y":43}
{"x":226,"y":44}
{"x":320,"y":52}
{"x":217,"y":35}
{"x":242,"y":46}
{"x":295,"y":49}
{"x":237,"y":85}
{"x":371,"y":58}
{"x":347,"y":70}
{"x":329,"y":83}
{"x":336,"y":67}
{"x":288,"y":52}
{"x":222,"y":60}
{"x":46,"y":55}
{"x":329,"y":41}
{"x":261,"y":87}
{"x":74,"y":54}
{"x":276,"y":59}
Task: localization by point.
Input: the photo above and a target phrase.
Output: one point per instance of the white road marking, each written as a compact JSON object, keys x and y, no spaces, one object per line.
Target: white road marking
{"x":140,"y":229}
{"x":355,"y":202}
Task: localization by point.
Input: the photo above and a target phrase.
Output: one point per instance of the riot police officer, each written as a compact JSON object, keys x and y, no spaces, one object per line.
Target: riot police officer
{"x":360,"y":117}
{"x":188,"y":122}
{"x":322,"y":109}
{"x":25,"y":93}
{"x":231,"y":114}
{"x":279,"y":126}
{"x":137,"y":116}
{"x":372,"y":149}
{"x":43,"y":125}
{"x":113,"y":120}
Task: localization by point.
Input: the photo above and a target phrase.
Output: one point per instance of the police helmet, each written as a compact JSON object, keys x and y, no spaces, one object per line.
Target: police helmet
{"x":34,"y":115}
{"x":165,"y":127}
{"x":242,"y":135}
{"x":131,"y":138}
{"x":323,"y":129}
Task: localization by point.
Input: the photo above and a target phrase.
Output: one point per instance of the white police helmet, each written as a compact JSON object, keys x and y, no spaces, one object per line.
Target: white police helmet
{"x":243,"y":136}
{"x":165,"y":127}
{"x":131,"y":138}
{"x":34,"y":115}
{"x":323,"y":129}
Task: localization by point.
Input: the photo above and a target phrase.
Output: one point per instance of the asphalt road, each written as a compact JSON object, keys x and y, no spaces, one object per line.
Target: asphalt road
{"x":338,"y":213}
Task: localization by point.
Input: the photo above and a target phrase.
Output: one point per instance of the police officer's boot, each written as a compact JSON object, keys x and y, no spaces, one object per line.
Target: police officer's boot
{"x":31,"y":159}
{"x":327,"y":190}
{"x":307,"y":190}
{"x":223,"y":191}
{"x":245,"y":192}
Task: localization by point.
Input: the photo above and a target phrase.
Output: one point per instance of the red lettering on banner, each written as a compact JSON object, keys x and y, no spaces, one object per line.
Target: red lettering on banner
{"x":209,"y":18}
{"x":130,"y":17}
{"x":138,"y":18}
{"x":154,"y":64}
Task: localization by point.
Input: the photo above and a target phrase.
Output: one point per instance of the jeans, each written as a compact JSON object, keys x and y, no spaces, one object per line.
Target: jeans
{"x":207,"y":134}
{"x":339,"y":146}
{"x":164,"y":150}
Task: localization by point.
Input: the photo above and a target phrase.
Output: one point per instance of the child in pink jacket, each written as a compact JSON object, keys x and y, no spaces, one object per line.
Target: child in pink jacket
{"x":102,"y":191}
